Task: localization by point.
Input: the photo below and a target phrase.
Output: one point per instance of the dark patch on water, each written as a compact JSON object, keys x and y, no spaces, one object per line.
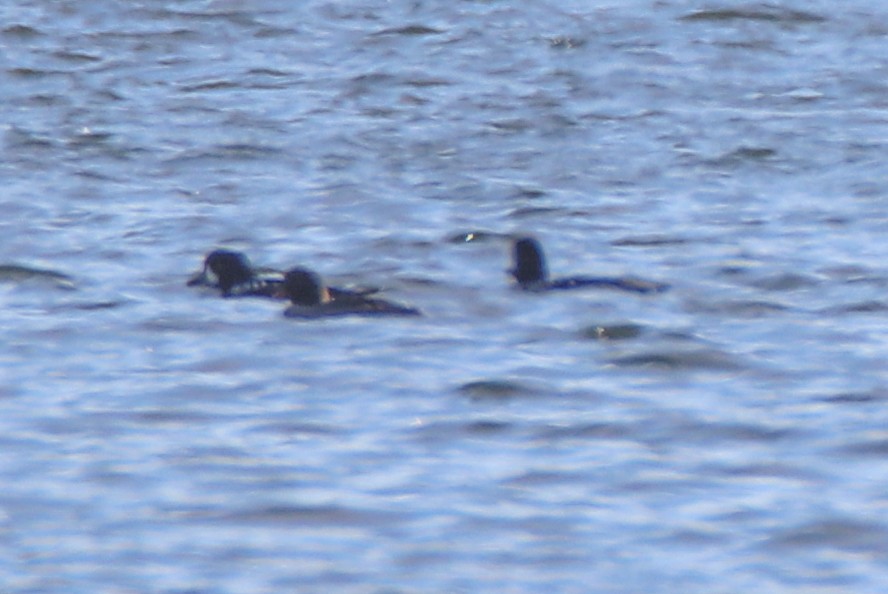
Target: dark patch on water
{"x":650,"y":241}
{"x":295,"y":515}
{"x":409,"y":30}
{"x":742,"y":155}
{"x":565,"y":42}
{"x":19,"y":273}
{"x":744,"y":308}
{"x":586,"y":431}
{"x":612,"y":331}
{"x":21,"y":32}
{"x":713,"y":432}
{"x":494,"y":390}
{"x":295,"y":429}
{"x":93,"y":305}
{"x":532,"y":211}
{"x":446,"y":432}
{"x":768,"y":14}
{"x":786,"y":281}
{"x":837,"y":533}
{"x":676,"y":360}
{"x":856,"y":397}
{"x":871,"y":306}
{"x":877,"y":447}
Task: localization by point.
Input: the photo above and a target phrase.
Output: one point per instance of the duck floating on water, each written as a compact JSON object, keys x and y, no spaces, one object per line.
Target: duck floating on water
{"x":311,"y":298}
{"x":232,"y":273}
{"x":531,"y":274}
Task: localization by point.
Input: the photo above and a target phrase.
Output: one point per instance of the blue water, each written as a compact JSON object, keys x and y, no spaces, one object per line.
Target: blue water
{"x":728,"y":436}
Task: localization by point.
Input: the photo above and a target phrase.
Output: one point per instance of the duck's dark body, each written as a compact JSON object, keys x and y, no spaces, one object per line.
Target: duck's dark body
{"x":310,"y":299}
{"x":531,"y":274}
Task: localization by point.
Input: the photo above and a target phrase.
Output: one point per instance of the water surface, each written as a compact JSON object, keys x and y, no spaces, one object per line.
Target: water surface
{"x":725,"y":436}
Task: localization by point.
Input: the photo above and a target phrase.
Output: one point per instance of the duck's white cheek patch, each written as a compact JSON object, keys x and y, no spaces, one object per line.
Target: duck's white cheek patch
{"x":211,"y":277}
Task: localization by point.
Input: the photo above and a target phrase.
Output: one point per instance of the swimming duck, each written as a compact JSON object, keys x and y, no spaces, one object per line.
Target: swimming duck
{"x":311,"y":298}
{"x":532,"y":275}
{"x":232,"y":272}
{"x":235,"y":276}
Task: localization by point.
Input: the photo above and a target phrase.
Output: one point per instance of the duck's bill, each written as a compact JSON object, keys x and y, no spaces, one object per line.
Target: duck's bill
{"x":200,"y":280}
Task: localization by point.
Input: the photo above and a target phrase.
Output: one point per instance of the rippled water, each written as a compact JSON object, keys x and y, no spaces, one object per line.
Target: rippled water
{"x":727,"y":436}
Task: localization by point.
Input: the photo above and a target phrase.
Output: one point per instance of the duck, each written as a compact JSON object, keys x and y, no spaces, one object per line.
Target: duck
{"x":531,"y":273}
{"x":232,"y":273}
{"x":311,"y":298}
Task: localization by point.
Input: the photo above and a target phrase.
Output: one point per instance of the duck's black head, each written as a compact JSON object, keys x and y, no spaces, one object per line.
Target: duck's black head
{"x":225,"y":269}
{"x":304,"y":287}
{"x":529,"y":262}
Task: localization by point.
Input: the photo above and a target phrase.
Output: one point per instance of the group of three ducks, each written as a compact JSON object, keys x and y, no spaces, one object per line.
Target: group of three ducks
{"x":232,"y":273}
